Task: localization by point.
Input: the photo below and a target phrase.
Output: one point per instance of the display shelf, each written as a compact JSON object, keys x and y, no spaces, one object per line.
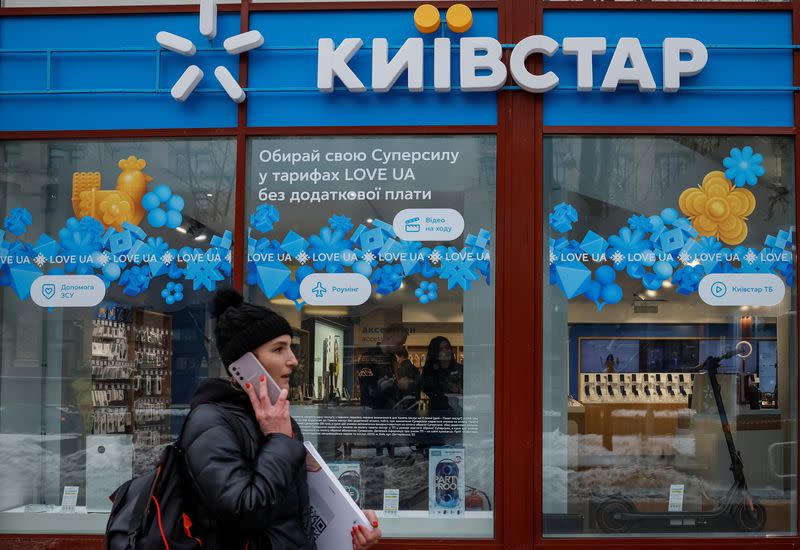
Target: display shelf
{"x":645,"y":388}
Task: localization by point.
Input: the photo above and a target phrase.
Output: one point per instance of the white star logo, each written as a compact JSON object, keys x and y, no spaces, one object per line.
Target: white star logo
{"x":434,"y":257}
{"x":553,"y":257}
{"x":167,"y":258}
{"x":302,"y":257}
{"x":617,"y":257}
{"x":684,"y":257}
{"x":192,"y":76}
{"x":39,"y":260}
{"x":750,"y":257}
{"x":368,"y":257}
{"x":103,"y":259}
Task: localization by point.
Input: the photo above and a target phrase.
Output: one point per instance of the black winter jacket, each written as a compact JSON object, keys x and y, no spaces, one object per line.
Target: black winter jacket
{"x":252,"y":490}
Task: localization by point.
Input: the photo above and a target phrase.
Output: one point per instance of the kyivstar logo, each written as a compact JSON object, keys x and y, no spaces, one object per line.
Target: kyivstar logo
{"x":482,"y":69}
{"x":235,"y":45}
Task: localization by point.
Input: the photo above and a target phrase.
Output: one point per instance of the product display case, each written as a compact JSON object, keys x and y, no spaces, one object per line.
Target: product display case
{"x":131,"y":375}
{"x":637,"y":387}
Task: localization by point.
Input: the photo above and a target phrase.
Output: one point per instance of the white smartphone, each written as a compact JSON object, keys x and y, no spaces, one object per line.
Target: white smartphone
{"x":249,"y":369}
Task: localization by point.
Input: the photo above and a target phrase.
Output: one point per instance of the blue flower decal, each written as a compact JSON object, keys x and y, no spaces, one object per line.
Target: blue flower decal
{"x":427,"y":292}
{"x":743,"y":166}
{"x":172,"y":293}
{"x":163,"y":207}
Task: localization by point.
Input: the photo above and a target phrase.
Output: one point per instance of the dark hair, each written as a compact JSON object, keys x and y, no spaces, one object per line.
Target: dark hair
{"x":433,"y":352}
{"x":242,"y":327}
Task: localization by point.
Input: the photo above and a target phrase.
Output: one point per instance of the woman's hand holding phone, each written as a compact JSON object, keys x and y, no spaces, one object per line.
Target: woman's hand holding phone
{"x":271,"y":418}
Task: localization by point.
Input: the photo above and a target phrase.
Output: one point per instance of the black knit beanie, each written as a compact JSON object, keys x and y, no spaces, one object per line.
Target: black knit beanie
{"x":242,"y":327}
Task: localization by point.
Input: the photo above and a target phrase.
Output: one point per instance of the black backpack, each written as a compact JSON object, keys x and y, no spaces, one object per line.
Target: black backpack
{"x":149,"y":511}
{"x":154,"y":511}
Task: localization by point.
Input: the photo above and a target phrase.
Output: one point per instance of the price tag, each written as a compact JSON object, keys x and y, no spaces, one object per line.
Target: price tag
{"x":391,"y":501}
{"x":69,"y":499}
{"x":676,"y":498}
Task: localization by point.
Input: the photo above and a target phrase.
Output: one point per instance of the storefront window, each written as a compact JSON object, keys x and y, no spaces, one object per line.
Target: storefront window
{"x":109,"y":253}
{"x":379,"y":251}
{"x":670,"y":335}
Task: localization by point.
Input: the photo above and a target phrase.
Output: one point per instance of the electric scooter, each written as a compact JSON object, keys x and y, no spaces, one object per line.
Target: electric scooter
{"x":618,"y":514}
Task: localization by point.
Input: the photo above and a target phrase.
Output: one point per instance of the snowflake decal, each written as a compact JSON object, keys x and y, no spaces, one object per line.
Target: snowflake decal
{"x":617,"y":257}
{"x":750,"y":257}
{"x":553,"y":257}
{"x":81,"y":239}
{"x":167,"y":258}
{"x":103,"y":259}
{"x":302,"y":258}
{"x":204,"y":272}
{"x":435,"y":257}
{"x":40,"y":260}
{"x":340,"y":222}
{"x":327,"y":246}
{"x":458,"y":273}
{"x":684,"y":257}
{"x":368,"y":257}
{"x":191,"y":77}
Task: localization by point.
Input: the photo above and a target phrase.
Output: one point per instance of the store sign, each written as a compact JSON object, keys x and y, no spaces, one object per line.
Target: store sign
{"x":482,"y":68}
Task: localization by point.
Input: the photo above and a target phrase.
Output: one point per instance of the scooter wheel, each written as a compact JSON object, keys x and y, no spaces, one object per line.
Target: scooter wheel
{"x":750,"y":520}
{"x":608,"y":516}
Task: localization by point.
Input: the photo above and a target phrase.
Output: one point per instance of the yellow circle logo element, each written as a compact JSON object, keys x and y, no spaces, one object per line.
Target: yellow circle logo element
{"x":459,"y":18}
{"x":427,"y":18}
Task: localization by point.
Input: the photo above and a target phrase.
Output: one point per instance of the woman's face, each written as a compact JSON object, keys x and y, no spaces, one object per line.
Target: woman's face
{"x":445,"y":352}
{"x":278,"y":358}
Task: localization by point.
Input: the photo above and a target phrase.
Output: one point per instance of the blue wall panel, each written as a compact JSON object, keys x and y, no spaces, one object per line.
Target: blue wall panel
{"x":738,"y":67}
{"x":208,"y":106}
{"x":118,"y":70}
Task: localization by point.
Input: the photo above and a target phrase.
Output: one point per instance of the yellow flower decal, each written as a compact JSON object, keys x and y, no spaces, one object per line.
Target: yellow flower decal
{"x":718,"y":209}
{"x":115,"y":209}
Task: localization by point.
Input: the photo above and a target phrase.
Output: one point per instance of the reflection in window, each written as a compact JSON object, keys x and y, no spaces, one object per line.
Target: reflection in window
{"x":395,"y":388}
{"x":660,"y":365}
{"x":90,"y":394}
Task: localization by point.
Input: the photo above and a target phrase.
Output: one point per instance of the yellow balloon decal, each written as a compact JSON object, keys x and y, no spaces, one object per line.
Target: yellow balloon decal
{"x":115,"y":206}
{"x":719,"y":209}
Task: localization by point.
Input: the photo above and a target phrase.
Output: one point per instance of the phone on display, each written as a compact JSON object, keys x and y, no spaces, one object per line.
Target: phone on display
{"x":249,"y":369}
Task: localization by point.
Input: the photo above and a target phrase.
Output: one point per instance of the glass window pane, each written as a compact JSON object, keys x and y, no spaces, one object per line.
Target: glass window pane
{"x":94,"y":383}
{"x":396,"y":381}
{"x":670,"y":336}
